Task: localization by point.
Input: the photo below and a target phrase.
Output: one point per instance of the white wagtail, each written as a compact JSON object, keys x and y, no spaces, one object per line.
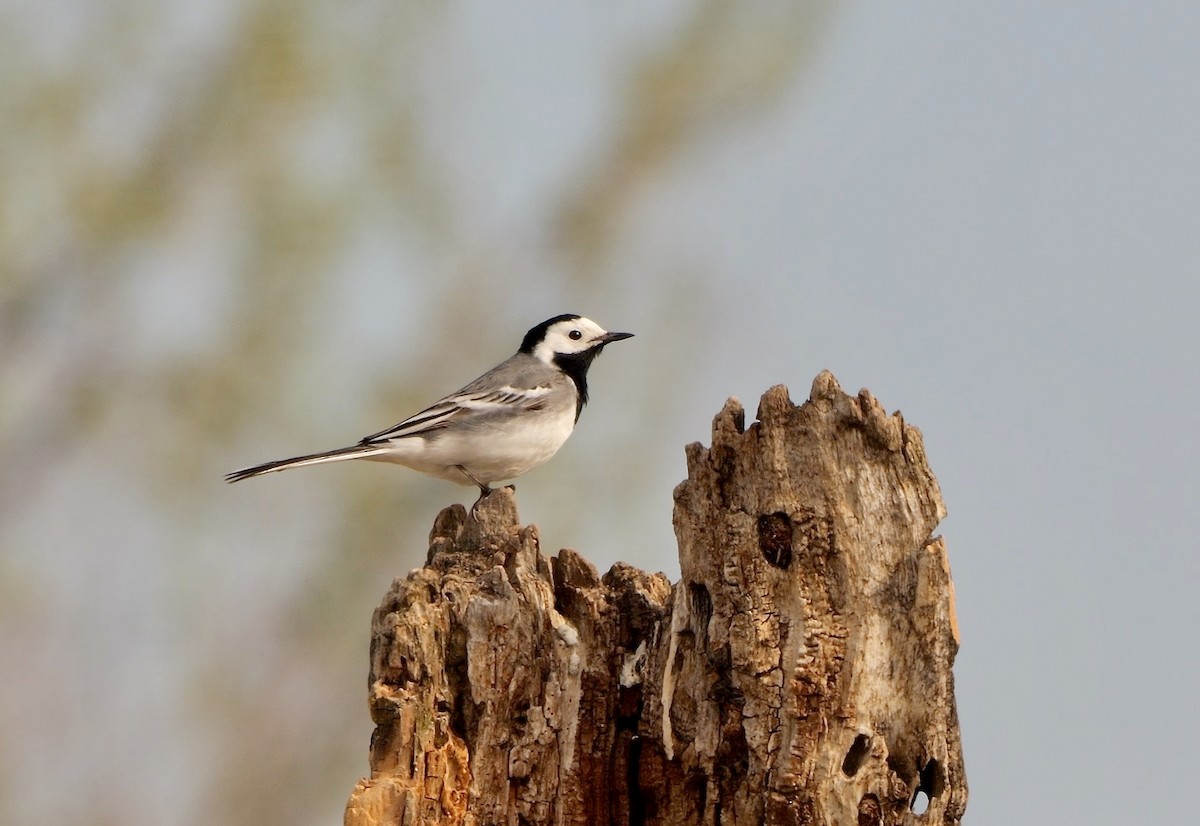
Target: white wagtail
{"x":505,"y":423}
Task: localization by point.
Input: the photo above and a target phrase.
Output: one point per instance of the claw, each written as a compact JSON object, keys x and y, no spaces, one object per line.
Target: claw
{"x":484,"y":490}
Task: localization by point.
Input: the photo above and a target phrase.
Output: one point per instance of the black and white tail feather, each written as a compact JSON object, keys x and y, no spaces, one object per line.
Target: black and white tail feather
{"x":505,"y":423}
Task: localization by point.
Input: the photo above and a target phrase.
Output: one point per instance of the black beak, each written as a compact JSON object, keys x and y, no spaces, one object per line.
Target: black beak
{"x":609,"y":338}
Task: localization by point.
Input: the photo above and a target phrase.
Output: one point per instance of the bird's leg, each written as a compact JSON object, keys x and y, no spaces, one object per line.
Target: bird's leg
{"x":484,"y":490}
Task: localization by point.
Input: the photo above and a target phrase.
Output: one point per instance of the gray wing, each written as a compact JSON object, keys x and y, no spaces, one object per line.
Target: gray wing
{"x":520,"y":384}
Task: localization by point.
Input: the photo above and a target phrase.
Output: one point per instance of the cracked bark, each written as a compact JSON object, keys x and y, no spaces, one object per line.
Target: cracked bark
{"x":799,"y":672}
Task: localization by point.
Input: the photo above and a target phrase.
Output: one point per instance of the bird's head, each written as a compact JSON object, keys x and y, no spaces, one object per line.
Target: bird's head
{"x":569,"y":338}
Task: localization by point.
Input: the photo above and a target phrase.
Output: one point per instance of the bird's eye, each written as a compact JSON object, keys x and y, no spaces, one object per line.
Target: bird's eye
{"x":575,"y":335}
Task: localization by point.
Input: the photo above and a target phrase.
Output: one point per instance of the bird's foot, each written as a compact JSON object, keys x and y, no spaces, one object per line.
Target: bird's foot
{"x":483,"y":494}
{"x":484,"y":489}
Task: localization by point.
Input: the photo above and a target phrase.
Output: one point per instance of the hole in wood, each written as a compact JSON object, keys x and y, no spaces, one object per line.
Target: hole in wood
{"x":638,"y":799}
{"x":930,"y":783}
{"x":775,"y":538}
{"x":702,"y":609}
{"x":855,"y":755}
{"x":520,"y":719}
{"x":464,"y":715}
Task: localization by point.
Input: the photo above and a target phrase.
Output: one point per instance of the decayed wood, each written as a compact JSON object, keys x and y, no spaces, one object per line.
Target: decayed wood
{"x":799,"y":672}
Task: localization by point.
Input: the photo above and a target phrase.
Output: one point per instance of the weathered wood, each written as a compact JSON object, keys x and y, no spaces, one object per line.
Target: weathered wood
{"x":799,"y":672}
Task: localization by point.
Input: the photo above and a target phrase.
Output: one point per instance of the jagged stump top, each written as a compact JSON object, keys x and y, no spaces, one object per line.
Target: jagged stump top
{"x":798,"y":673}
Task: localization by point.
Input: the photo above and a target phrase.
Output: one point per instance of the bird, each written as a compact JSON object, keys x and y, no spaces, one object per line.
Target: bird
{"x":502,"y":425}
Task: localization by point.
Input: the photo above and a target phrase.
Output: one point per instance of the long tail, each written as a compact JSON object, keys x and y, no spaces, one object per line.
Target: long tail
{"x":339,"y":455}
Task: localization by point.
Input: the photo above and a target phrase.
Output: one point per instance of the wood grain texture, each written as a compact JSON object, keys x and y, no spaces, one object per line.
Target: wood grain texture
{"x":799,"y":672}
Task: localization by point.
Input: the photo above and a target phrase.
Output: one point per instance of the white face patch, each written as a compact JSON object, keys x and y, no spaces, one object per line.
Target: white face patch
{"x":567,"y":337}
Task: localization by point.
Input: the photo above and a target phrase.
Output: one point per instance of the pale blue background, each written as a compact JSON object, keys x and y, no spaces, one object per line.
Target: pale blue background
{"x":987,"y":214}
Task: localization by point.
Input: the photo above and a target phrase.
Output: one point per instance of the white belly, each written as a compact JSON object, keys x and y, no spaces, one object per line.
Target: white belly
{"x":505,"y":454}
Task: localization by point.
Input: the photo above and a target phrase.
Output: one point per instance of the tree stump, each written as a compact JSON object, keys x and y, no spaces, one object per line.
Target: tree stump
{"x":799,"y":672}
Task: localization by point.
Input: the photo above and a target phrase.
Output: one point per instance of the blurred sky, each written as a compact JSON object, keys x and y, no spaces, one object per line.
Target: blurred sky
{"x":231,"y":232}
